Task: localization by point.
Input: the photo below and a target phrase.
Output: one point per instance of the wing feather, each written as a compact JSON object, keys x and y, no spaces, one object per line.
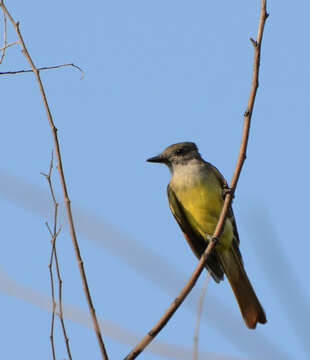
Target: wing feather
{"x":197,"y":243}
{"x":230,"y":215}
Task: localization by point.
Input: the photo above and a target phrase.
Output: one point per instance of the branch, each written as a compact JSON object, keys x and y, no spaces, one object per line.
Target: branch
{"x":41,"y":68}
{"x":4,"y":38}
{"x":53,"y":300}
{"x":228,"y":199}
{"x":8,"y":45}
{"x":63,"y":184}
{"x":54,"y":235}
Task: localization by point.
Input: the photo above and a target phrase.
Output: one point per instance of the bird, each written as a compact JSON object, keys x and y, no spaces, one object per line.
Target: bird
{"x":196,"y":194}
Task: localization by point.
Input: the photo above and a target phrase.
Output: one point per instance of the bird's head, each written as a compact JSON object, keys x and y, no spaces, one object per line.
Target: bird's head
{"x":177,"y":154}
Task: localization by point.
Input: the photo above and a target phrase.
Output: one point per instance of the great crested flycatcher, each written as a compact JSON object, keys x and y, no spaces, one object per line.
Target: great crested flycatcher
{"x":196,"y":197}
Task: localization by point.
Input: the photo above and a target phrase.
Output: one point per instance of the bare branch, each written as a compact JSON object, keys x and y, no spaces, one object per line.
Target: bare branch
{"x":5,"y":44}
{"x":8,"y":45}
{"x":63,"y":184}
{"x":228,"y":198}
{"x":41,"y":68}
{"x":53,"y":301}
{"x":4,"y":38}
{"x":54,"y":235}
{"x":199,"y":312}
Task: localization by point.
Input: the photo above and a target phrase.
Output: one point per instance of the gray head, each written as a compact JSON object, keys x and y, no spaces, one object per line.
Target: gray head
{"x":177,"y":154}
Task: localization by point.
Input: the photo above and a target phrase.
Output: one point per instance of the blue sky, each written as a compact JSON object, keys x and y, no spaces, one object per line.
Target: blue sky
{"x":155,"y":73}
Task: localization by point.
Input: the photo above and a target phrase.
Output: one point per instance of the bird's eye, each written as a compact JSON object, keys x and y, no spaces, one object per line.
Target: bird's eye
{"x":179,"y":152}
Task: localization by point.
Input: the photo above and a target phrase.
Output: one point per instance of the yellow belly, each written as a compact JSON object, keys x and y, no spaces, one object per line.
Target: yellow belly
{"x":203,"y":201}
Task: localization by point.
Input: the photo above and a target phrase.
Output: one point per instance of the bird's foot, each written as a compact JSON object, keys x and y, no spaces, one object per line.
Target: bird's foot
{"x":211,"y":238}
{"x":227,"y":191}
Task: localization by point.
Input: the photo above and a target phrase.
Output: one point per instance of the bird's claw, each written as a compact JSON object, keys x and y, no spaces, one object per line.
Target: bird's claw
{"x":227,"y":190}
{"x":211,"y":238}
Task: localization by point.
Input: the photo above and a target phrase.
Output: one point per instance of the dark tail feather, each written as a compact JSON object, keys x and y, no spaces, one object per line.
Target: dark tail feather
{"x":251,"y":309}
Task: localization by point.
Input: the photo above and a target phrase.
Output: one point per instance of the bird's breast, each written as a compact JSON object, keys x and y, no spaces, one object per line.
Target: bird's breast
{"x":200,"y":194}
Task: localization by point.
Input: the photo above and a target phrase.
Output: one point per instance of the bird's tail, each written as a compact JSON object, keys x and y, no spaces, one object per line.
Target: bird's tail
{"x":251,"y":309}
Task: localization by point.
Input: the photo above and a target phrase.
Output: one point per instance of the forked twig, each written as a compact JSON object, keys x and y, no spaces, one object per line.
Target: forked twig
{"x":228,"y":198}
{"x":4,"y":38}
{"x":60,"y":313}
{"x":41,"y":68}
{"x":5,"y":43}
{"x":54,"y":235}
{"x":8,"y":45}
{"x":50,"y":266}
{"x":198,"y":318}
{"x":53,"y":301}
{"x":63,"y":183}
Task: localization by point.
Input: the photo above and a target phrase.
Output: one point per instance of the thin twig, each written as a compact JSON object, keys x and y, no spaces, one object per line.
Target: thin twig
{"x":50,"y":266}
{"x":42,"y":68}
{"x":60,"y":314}
{"x":63,"y":184}
{"x":198,"y":318}
{"x":53,"y":302}
{"x":5,"y":44}
{"x":4,"y":38}
{"x":227,"y":202}
{"x":54,"y":235}
{"x":9,"y":45}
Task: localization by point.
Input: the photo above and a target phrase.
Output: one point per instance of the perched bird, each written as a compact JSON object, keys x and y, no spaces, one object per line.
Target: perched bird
{"x":196,"y":197}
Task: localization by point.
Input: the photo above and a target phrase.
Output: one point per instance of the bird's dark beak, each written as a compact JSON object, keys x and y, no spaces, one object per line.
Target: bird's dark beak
{"x":157,"y":159}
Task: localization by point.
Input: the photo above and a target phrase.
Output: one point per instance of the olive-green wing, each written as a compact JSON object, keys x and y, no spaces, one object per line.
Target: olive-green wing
{"x":197,"y":243}
{"x":230,"y":214}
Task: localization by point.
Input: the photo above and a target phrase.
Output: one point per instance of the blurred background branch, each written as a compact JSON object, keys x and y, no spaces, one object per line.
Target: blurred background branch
{"x":198,"y":317}
{"x":77,"y":315}
{"x":146,"y":263}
